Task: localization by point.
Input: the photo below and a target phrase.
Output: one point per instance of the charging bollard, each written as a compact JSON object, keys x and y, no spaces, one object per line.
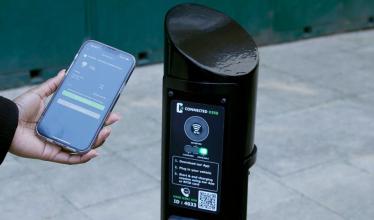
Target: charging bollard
{"x":209,"y":102}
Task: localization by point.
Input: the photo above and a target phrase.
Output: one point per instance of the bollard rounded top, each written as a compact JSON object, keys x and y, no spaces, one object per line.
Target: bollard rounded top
{"x":211,"y":40}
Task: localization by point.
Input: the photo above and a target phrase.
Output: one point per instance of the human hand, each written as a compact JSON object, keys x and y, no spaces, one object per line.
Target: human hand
{"x":27,"y":144}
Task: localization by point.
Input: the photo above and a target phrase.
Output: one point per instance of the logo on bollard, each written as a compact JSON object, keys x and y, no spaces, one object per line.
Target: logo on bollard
{"x":179,"y":107}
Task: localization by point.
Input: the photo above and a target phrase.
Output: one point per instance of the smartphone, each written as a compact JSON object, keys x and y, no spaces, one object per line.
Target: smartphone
{"x":91,"y":87}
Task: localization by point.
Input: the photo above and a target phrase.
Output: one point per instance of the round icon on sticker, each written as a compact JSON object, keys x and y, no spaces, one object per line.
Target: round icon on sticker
{"x":196,"y":128}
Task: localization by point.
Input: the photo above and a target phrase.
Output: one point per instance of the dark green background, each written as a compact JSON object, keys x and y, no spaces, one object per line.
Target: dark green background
{"x":39,"y":37}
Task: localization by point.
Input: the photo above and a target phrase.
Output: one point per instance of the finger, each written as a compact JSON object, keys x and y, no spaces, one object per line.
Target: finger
{"x":54,"y":153}
{"x":66,"y":158}
{"x":103,"y":135}
{"x":50,"y":86}
{"x":112,"y":118}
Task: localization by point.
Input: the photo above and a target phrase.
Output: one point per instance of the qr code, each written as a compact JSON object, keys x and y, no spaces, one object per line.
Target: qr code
{"x":207,"y":201}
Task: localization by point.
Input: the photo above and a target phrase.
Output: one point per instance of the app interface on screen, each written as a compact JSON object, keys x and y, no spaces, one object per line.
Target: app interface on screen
{"x":86,"y":95}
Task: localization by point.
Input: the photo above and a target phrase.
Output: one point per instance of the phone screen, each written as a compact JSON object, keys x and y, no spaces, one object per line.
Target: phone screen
{"x":91,"y":87}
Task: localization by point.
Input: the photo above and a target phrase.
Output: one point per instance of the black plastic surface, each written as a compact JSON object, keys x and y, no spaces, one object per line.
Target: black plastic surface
{"x":210,"y":59}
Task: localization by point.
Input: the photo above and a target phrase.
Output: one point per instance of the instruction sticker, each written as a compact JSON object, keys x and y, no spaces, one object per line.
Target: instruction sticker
{"x":195,"y":155}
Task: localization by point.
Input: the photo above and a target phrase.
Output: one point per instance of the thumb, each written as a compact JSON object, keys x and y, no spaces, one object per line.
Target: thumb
{"x":50,"y":86}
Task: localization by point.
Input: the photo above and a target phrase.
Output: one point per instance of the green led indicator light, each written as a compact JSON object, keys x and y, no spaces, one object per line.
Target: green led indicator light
{"x":203,"y":151}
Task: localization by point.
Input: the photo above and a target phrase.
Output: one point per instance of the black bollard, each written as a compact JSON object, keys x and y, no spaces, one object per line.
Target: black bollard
{"x":209,"y":102}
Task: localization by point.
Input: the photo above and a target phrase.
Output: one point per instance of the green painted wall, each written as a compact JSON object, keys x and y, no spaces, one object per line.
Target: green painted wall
{"x":39,"y":37}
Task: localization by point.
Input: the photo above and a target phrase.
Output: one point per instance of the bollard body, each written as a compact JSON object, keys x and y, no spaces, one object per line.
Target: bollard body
{"x":209,"y":102}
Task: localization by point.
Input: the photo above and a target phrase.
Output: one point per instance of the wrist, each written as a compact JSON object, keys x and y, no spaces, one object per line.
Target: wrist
{"x":9,"y":123}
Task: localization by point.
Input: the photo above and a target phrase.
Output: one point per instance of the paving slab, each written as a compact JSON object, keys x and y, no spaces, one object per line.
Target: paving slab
{"x":361,"y":38}
{"x":74,"y":215}
{"x":135,"y":129}
{"x":295,"y":209}
{"x":279,"y":93}
{"x":292,"y":142}
{"x":12,"y":168}
{"x":319,"y":60}
{"x":261,"y":181}
{"x":140,"y":108}
{"x":102,"y":180}
{"x":365,"y":162}
{"x":28,"y":197}
{"x":144,"y":205}
{"x":147,"y":158}
{"x":343,"y":189}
